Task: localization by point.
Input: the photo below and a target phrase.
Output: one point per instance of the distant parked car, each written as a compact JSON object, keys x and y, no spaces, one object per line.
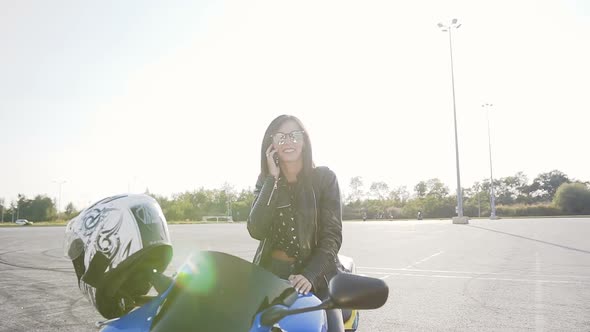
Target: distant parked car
{"x":23,"y":222}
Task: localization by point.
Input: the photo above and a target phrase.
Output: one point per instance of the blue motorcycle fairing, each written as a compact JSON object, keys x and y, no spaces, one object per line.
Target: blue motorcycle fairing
{"x":215,"y":291}
{"x":313,"y":321}
{"x":139,"y":319}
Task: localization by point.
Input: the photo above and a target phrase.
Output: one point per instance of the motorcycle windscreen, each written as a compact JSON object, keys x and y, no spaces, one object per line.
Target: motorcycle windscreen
{"x":214,"y":291}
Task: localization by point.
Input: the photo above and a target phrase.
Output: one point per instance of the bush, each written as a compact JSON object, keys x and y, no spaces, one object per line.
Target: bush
{"x":471,"y":206}
{"x":431,"y":207}
{"x":351,"y":213}
{"x":472,"y":210}
{"x":521,"y":210}
{"x":394,"y":212}
{"x":374,"y":209}
{"x":241,"y":210}
{"x":573,"y":198}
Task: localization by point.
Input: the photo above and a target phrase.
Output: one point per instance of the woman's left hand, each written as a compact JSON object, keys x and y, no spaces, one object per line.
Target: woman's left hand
{"x":300,"y":283}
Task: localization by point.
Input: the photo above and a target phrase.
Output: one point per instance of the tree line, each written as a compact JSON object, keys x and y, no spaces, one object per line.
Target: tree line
{"x":39,"y":208}
{"x":550,"y":193}
{"x":188,"y":205}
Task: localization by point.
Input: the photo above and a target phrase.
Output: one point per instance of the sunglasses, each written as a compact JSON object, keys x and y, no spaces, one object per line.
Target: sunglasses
{"x":295,"y":136}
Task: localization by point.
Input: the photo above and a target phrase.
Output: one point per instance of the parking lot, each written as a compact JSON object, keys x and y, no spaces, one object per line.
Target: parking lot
{"x":528,"y":274}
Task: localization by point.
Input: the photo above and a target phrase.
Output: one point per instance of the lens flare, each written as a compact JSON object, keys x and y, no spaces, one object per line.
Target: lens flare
{"x":197,"y":275}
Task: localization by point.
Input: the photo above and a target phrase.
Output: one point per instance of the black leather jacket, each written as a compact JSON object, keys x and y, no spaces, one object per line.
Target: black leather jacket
{"x":319,"y":223}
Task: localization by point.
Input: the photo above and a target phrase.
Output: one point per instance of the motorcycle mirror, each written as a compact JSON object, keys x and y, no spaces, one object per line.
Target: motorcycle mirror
{"x":347,"y":291}
{"x":351,"y":291}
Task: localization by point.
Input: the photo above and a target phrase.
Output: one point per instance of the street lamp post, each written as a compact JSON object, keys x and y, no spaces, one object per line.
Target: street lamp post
{"x":460,"y":219}
{"x":492,"y":195}
{"x":478,"y":204}
{"x":59,"y":199}
{"x":477,"y":187}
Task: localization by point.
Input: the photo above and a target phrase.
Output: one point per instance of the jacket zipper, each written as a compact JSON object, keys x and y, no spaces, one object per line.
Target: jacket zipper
{"x":258,"y":259}
{"x":273,"y":191}
{"x":315,"y":216}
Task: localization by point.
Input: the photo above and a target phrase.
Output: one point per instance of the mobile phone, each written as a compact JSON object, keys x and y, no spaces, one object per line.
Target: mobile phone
{"x":275,"y":157}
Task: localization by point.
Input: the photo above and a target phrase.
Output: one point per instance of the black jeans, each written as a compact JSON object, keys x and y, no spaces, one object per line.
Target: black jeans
{"x":283,"y":270}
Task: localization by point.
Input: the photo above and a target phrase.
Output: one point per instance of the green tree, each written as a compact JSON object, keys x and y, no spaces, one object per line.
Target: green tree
{"x":2,"y":209}
{"x":356,"y":189}
{"x":433,"y":187}
{"x":379,"y":190}
{"x":511,"y":189}
{"x":354,"y":209}
{"x":41,"y":208}
{"x":421,"y":189}
{"x":545,"y":185}
{"x":436,"y":188}
{"x":431,"y":207}
{"x":399,"y":196}
{"x":12,"y":210}
{"x":242,"y":205}
{"x":70,"y":211}
{"x":476,"y":201}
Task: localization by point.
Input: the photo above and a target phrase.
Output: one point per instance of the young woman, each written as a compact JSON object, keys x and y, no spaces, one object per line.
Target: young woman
{"x":297,"y":212}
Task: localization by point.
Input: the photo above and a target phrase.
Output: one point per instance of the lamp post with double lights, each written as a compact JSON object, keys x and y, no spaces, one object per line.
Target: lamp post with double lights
{"x":460,"y":219}
{"x":487,"y":107}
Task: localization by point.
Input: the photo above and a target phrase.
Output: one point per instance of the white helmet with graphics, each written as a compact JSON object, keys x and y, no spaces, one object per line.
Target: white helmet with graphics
{"x":115,"y":245}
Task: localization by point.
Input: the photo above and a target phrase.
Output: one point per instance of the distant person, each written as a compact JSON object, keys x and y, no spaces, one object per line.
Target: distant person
{"x":419,"y":215}
{"x":364,"y":216}
{"x":297,"y":212}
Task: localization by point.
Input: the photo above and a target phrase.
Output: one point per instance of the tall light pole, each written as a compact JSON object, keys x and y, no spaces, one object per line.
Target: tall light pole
{"x":460,"y":219}
{"x":477,"y":186}
{"x":60,"y":183}
{"x":492,"y":196}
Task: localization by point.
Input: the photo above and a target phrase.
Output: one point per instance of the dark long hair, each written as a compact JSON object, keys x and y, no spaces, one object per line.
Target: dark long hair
{"x":308,"y":164}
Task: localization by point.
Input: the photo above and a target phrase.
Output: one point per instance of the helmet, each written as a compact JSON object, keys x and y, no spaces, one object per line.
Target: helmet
{"x":115,"y":245}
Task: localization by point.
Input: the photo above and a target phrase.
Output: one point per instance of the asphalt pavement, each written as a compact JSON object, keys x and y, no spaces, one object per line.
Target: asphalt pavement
{"x":502,"y":275}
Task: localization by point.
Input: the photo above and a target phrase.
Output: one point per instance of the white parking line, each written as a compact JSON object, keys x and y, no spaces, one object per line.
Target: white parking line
{"x":364,"y":268}
{"x":55,"y":313}
{"x":539,"y":306}
{"x":475,"y":277}
{"x":423,"y":260}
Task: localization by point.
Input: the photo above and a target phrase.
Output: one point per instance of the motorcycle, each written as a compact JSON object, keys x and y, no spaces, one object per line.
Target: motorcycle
{"x":120,"y":245}
{"x":214,"y":291}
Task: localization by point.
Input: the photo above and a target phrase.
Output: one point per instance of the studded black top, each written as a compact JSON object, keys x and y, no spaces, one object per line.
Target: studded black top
{"x":284,"y":235}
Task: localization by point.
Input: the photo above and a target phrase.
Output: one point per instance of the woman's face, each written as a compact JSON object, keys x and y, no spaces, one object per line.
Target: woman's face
{"x":288,"y":141}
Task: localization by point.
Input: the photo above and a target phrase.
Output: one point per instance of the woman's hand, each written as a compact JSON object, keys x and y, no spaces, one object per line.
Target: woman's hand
{"x":273,"y":168}
{"x":300,"y":283}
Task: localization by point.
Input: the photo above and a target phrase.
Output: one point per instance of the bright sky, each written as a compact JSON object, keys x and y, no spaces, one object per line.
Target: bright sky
{"x":116,"y":96}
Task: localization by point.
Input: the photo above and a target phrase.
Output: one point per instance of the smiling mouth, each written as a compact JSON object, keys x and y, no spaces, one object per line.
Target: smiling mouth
{"x":290,"y":150}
